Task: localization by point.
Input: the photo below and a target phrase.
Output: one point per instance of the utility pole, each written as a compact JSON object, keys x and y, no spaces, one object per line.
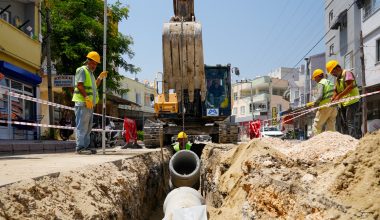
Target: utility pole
{"x":364,"y":101}
{"x":105,"y":79}
{"x":48,"y":67}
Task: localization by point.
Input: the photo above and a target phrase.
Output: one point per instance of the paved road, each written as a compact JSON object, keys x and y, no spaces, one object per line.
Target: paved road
{"x":19,"y":167}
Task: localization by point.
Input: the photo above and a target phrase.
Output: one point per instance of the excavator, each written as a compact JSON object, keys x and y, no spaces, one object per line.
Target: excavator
{"x":195,"y":98}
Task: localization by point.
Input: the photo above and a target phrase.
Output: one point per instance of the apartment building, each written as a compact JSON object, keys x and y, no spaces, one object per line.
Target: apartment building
{"x":259,"y":99}
{"x":20,"y":54}
{"x":371,"y":42}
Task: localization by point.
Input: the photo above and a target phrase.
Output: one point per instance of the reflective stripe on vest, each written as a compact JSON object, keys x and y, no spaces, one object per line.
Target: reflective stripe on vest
{"x":176,"y":146}
{"x":78,"y":97}
{"x":328,"y":89}
{"x":341,"y":85}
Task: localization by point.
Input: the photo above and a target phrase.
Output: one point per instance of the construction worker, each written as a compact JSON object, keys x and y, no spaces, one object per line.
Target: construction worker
{"x":345,"y":86}
{"x":325,"y":115}
{"x":181,"y":140}
{"x":85,"y":98}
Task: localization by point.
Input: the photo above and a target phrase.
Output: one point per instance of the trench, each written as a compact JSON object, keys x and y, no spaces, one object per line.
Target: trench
{"x":131,"y":188}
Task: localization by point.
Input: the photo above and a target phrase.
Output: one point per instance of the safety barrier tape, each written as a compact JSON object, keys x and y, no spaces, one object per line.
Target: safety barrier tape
{"x":304,"y":112}
{"x":41,"y":101}
{"x":51,"y":126}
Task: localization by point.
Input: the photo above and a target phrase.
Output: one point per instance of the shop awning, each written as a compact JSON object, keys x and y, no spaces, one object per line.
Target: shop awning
{"x":18,"y":73}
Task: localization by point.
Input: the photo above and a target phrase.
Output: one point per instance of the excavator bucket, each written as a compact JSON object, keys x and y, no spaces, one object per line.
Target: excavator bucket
{"x":183,"y":59}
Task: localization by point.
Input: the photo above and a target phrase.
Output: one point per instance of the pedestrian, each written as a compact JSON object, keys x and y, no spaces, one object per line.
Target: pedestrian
{"x":325,"y":115}
{"x":182,"y":142}
{"x":85,"y":98}
{"x":345,"y":86}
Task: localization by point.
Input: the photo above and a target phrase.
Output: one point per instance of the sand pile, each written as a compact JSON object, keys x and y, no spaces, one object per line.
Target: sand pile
{"x":321,"y":148}
{"x":125,"y":189}
{"x":261,"y":181}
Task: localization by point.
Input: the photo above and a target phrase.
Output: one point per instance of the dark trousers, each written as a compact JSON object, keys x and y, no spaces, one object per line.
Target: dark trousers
{"x":347,"y":116}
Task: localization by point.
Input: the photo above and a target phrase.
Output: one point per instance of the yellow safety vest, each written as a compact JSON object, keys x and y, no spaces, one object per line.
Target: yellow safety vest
{"x":176,"y":146}
{"x":340,"y":86}
{"x":328,"y":89}
{"x":78,"y":97}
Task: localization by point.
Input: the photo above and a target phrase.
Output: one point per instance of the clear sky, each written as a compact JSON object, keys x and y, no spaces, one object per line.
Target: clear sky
{"x":255,"y":35}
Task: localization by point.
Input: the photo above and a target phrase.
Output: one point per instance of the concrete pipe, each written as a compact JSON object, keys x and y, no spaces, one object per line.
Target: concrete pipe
{"x":184,"y":169}
{"x":184,"y":203}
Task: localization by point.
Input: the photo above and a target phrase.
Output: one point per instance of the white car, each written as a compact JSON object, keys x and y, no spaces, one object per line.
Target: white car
{"x":271,"y":132}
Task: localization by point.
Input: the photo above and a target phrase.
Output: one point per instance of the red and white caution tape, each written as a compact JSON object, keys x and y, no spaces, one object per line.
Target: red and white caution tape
{"x":304,"y":112}
{"x":41,"y":101}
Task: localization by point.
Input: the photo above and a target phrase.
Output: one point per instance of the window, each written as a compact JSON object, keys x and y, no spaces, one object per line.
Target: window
{"x":370,"y":7}
{"x":242,"y":110}
{"x":348,"y":61}
{"x":331,"y":50}
{"x":251,"y":107}
{"x":138,"y":98}
{"x":331,"y":17}
{"x":377,"y":50}
{"x":234,"y":112}
{"x":235,"y":96}
{"x":5,"y":15}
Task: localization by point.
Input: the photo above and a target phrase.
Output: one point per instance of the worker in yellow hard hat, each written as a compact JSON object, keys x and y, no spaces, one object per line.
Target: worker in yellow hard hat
{"x":182,"y":142}
{"x":85,"y":98}
{"x":345,"y":86}
{"x":325,"y":115}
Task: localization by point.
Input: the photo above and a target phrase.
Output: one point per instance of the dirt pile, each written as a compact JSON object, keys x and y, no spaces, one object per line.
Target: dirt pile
{"x":125,"y":189}
{"x":269,"y":178}
{"x":321,"y":148}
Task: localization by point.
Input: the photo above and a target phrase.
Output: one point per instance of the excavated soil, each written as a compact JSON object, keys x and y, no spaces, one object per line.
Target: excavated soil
{"x":125,"y":189}
{"x":330,"y":176}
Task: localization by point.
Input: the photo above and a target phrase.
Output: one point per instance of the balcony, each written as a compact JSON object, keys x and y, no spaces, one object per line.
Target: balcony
{"x":18,"y":48}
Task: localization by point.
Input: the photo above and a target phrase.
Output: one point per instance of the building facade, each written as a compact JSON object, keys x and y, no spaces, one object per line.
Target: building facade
{"x":20,"y":60}
{"x":342,"y":41}
{"x":371,"y":42}
{"x":141,"y":94}
{"x":259,"y":99}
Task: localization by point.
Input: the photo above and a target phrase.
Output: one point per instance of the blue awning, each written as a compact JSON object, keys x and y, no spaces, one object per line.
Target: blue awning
{"x":18,"y":73}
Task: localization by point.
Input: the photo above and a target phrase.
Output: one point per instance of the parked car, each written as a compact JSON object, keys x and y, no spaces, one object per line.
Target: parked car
{"x":271,"y":132}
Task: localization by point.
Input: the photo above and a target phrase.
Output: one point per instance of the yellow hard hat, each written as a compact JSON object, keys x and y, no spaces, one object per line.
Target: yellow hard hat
{"x":93,"y":55}
{"x":224,"y":104}
{"x":182,"y":135}
{"x":316,"y":73}
{"x":331,"y":65}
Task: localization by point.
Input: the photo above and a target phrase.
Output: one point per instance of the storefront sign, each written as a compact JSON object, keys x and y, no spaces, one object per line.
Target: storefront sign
{"x":274,"y":116}
{"x":64,"y":81}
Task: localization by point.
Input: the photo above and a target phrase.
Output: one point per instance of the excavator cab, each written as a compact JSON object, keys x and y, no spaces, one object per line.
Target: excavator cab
{"x":218,"y":94}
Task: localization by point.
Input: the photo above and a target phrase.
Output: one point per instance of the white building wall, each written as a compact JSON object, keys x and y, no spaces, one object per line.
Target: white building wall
{"x":371,"y":34}
{"x":345,"y":40}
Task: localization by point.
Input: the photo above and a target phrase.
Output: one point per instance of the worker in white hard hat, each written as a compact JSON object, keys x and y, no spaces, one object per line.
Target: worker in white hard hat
{"x":182,"y":142}
{"x":326,"y":115}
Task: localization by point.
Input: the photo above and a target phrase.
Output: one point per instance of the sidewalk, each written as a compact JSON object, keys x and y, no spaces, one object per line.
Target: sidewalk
{"x":20,"y":167}
{"x":13,"y":147}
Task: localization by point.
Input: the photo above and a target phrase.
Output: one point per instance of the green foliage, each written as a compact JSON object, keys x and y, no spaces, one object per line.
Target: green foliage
{"x":77,"y":28}
{"x":140,"y":135}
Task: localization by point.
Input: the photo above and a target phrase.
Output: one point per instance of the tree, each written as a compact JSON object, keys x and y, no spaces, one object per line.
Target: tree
{"x":77,"y":28}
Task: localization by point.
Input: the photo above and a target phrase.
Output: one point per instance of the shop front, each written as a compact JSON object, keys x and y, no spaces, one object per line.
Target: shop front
{"x":20,"y":81}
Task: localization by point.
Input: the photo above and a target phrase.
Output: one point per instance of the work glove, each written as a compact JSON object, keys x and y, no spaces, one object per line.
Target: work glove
{"x":310,"y":104}
{"x":89,"y":103}
{"x":103,"y":75}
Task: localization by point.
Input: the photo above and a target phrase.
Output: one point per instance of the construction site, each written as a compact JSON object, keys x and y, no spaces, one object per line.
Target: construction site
{"x":198,"y":154}
{"x":265,"y":178}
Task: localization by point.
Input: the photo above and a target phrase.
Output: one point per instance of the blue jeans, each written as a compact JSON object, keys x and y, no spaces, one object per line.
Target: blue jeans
{"x":83,"y":119}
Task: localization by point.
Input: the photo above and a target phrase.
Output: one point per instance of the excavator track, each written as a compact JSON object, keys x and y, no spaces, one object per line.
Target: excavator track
{"x":153,"y":133}
{"x":228,"y":133}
